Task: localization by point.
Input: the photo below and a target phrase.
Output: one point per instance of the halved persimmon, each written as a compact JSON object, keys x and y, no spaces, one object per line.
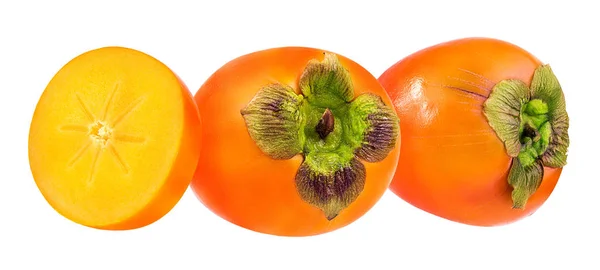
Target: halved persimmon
{"x":296,"y":141}
{"x":113,"y":142}
{"x":484,"y":130}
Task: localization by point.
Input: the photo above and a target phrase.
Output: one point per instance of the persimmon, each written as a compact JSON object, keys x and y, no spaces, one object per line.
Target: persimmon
{"x":113,"y":142}
{"x":296,"y":141}
{"x":484,"y":130}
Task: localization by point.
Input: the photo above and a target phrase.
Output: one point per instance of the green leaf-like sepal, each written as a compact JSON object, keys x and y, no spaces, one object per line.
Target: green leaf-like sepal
{"x":273,"y":121}
{"x":326,"y":83}
{"x":503,"y":109}
{"x":330,"y":181}
{"x":525,"y":180}
{"x":375,"y":126}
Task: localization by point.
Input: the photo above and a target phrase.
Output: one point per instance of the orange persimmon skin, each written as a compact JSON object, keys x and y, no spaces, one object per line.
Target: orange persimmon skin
{"x":245,"y":186}
{"x":452,"y":164}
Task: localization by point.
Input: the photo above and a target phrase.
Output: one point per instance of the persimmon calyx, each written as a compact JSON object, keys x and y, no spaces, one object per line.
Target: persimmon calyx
{"x":533,"y":123}
{"x":333,"y":130}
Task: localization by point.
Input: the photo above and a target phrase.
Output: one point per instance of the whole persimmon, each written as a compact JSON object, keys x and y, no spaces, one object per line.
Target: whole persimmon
{"x":484,"y":130}
{"x":296,"y":141}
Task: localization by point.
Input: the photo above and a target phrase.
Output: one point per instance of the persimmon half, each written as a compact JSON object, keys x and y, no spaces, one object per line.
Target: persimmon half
{"x":484,"y":130}
{"x":296,"y":141}
{"x":113,"y":142}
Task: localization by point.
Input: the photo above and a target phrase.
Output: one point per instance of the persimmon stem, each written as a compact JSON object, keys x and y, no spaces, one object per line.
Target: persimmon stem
{"x":326,"y":124}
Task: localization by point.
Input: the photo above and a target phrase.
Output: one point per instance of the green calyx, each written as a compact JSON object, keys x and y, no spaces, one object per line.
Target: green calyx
{"x":329,"y":126}
{"x":533,"y":123}
{"x":535,"y":131}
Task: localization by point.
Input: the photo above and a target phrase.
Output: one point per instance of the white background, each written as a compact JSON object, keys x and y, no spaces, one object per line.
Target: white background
{"x":37,"y":38}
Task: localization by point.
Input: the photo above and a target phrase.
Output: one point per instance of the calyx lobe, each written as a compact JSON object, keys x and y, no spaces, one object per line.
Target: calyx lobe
{"x":532,"y":122}
{"x":273,"y":121}
{"x":377,"y":124}
{"x":331,"y":191}
{"x":330,"y":127}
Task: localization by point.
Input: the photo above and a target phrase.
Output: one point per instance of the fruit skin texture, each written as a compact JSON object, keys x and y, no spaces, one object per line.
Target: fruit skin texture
{"x":452,"y":164}
{"x":146,"y":164}
{"x":240,"y":183}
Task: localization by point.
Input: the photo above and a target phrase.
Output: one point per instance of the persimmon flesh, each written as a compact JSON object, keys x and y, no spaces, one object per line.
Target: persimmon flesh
{"x":296,"y":141}
{"x":113,"y":142}
{"x":484,"y":130}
